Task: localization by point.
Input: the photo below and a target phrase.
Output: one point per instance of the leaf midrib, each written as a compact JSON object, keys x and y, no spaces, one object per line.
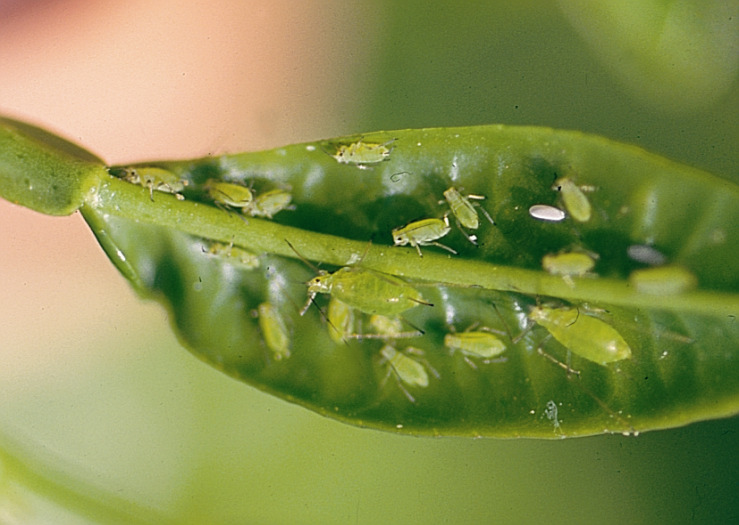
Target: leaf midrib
{"x":125,"y":200}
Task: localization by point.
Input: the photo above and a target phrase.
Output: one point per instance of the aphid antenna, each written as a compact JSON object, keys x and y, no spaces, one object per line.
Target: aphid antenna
{"x":305,"y":261}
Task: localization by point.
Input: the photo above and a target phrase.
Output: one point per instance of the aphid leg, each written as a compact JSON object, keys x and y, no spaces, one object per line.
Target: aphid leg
{"x":398,"y":381}
{"x":447,"y":248}
{"x":472,"y":238}
{"x":484,"y":211}
{"x":559,"y":363}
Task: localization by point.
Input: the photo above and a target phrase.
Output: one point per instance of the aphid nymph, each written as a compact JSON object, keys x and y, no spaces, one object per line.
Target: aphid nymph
{"x":423,"y":233}
{"x":363,"y":154}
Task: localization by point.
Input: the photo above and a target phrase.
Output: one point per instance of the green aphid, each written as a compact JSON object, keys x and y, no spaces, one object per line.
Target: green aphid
{"x":576,"y":203}
{"x":408,"y":367}
{"x":234,"y":255}
{"x":154,"y":179}
{"x":568,"y":265}
{"x":228,"y":194}
{"x":464,"y":211}
{"x":366,"y":290}
{"x":274,"y":331}
{"x":423,"y":233}
{"x":582,"y":334}
{"x":663,"y":280}
{"x":363,"y":154}
{"x":269,"y":203}
{"x":475,"y":344}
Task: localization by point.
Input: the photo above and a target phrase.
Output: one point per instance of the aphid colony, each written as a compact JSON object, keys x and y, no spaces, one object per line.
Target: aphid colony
{"x":367,"y":305}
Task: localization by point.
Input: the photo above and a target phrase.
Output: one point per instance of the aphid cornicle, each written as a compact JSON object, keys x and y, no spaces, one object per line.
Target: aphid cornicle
{"x":274,"y":331}
{"x":154,"y":179}
{"x":576,"y":203}
{"x":480,"y":343}
{"x":363,"y":154}
{"x":464,"y":211}
{"x":229,"y":194}
{"x":584,"y":335}
{"x":423,"y":233}
{"x":366,"y":290}
{"x":407,"y":369}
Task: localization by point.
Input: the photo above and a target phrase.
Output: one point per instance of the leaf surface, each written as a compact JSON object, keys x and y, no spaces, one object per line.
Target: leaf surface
{"x":683,"y":363}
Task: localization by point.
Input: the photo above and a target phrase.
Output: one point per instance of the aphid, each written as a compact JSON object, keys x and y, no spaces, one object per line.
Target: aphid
{"x":663,"y":280}
{"x":546,"y":213}
{"x":646,"y":254}
{"x":386,"y":328}
{"x":234,"y":255}
{"x":407,"y":368}
{"x":269,"y":203}
{"x":481,"y":343}
{"x":423,"y":233}
{"x":586,"y":336}
{"x":576,"y":203}
{"x":362,"y":154}
{"x":229,"y":194}
{"x":340,"y":317}
{"x":464,"y":210}
{"x":154,"y":179}
{"x":366,"y":290}
{"x":274,"y":331}
{"x":568,"y":265}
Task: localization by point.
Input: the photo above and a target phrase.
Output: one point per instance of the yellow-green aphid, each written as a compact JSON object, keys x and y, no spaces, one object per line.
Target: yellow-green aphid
{"x":423,"y":233}
{"x":234,"y":255}
{"x":340,"y":319}
{"x":229,"y":194}
{"x":481,"y":343}
{"x":387,"y":328}
{"x":274,"y":331}
{"x":407,"y":369}
{"x":362,"y":154}
{"x":269,"y":203}
{"x":464,"y":211}
{"x":586,"y":336}
{"x":155,"y":179}
{"x":366,"y":290}
{"x":576,"y":203}
{"x":568,"y":265}
{"x":663,"y":280}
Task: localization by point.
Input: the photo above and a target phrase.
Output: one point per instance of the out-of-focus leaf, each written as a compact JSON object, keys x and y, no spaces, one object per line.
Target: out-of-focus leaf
{"x":683,"y":364}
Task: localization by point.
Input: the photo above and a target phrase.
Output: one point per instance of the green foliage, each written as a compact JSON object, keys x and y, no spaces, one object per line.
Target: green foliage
{"x":682,"y":365}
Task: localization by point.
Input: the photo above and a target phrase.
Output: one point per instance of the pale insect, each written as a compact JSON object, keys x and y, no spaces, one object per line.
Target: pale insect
{"x":663,"y":280}
{"x":464,"y":211}
{"x":228,"y":194}
{"x":269,"y":203}
{"x":408,"y":366}
{"x":545,"y":212}
{"x":423,"y":233}
{"x":481,"y":343}
{"x":363,"y":154}
{"x":340,"y":317}
{"x":576,"y":203}
{"x":366,"y":290}
{"x":234,"y":255}
{"x":568,"y":265}
{"x":274,"y":331}
{"x":586,"y":336}
{"x":386,"y":328}
{"x":154,"y":179}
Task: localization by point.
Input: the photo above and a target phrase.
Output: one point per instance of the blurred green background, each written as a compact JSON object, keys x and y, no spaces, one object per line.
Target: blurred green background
{"x":105,"y":418}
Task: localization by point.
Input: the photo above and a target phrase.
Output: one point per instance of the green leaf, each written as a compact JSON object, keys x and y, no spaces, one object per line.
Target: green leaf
{"x":683,"y":343}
